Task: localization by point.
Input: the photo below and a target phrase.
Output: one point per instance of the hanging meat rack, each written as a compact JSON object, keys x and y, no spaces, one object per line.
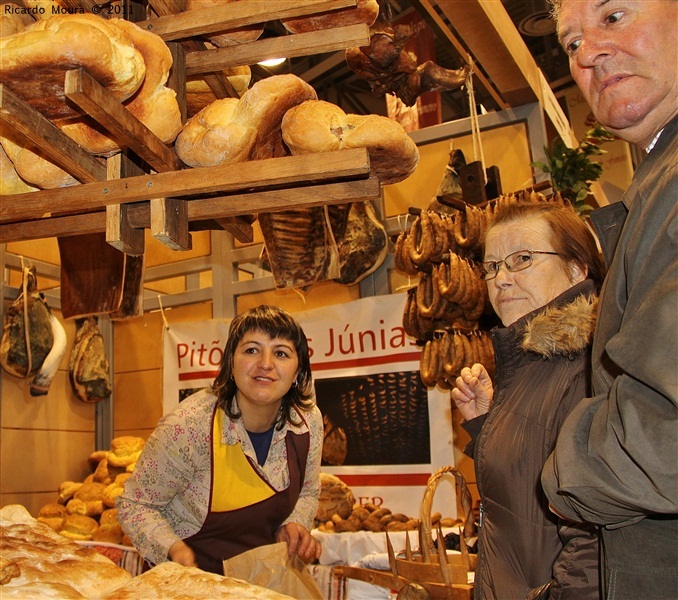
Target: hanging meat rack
{"x":119,"y":197}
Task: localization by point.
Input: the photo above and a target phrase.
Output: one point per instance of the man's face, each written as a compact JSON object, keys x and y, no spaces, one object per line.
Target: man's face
{"x":623,"y":57}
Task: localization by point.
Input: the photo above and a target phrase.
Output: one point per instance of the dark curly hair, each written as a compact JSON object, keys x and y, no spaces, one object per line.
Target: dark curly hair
{"x":276,"y":323}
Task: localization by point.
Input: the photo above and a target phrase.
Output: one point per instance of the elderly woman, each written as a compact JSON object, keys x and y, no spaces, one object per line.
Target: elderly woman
{"x":543,"y":270}
{"x":236,"y":466}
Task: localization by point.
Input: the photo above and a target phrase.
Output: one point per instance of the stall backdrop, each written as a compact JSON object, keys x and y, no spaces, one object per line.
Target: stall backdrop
{"x":392,"y":432}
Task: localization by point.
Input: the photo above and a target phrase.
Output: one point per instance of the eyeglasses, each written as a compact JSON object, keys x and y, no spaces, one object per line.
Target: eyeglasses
{"x":516,"y":261}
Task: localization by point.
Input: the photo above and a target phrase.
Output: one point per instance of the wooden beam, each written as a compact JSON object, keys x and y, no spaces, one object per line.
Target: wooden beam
{"x":237,"y":206}
{"x":81,"y":88}
{"x":40,"y":133}
{"x":431,"y":16}
{"x":227,"y":16}
{"x":288,"y":46}
{"x":231,"y":178}
{"x":496,"y":45}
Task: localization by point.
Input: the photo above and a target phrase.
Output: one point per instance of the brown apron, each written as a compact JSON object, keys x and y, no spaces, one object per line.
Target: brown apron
{"x":225,"y":534}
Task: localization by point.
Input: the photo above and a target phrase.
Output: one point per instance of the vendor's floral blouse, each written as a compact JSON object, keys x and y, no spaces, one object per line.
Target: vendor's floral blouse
{"x":167,"y":497}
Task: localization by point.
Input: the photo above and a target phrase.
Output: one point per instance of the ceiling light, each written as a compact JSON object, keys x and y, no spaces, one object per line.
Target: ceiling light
{"x":272,"y":62}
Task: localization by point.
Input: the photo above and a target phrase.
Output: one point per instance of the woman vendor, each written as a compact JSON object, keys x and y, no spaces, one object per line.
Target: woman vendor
{"x":235,"y":466}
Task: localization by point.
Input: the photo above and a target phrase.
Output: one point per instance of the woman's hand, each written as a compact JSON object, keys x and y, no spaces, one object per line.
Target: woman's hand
{"x":299,"y":542}
{"x":473,"y":392}
{"x":181,"y":553}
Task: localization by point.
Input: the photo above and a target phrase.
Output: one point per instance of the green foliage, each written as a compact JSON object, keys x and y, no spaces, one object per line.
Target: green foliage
{"x":571,"y":169}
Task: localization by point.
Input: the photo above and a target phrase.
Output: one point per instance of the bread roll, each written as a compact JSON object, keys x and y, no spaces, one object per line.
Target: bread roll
{"x":231,"y":130}
{"x":90,"y":491}
{"x":111,"y":492}
{"x":366,"y":12}
{"x":35,"y":60}
{"x":110,"y":533}
{"x":67,"y":490}
{"x":106,"y":473}
{"x":79,"y":527}
{"x":319,"y":126}
{"x":88,"y":508}
{"x":125,"y":450}
{"x":154,"y":104}
{"x":109,"y":517}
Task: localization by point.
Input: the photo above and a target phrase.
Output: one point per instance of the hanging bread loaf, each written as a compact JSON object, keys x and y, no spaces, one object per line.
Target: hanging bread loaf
{"x":13,"y":19}
{"x":35,"y":60}
{"x":10,"y":181}
{"x":234,"y":130}
{"x":366,"y":12}
{"x":31,"y":167}
{"x":319,"y":126}
{"x":154,"y":104}
{"x":239,"y":35}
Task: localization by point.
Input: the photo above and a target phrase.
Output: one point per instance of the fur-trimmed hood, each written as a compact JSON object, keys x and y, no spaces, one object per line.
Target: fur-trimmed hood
{"x":562,"y":330}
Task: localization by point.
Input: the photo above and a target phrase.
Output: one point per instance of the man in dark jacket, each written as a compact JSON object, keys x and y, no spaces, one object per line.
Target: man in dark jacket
{"x":615,"y":463}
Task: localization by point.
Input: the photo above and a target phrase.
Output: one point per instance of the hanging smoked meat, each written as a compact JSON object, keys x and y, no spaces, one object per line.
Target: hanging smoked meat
{"x":88,"y":368}
{"x":33,"y":340}
{"x":390,"y":69}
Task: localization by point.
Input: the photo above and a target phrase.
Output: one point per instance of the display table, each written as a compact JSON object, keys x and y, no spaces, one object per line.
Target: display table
{"x":362,"y":549}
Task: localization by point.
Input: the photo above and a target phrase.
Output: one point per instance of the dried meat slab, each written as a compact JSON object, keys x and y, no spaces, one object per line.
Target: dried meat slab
{"x":97,"y":279}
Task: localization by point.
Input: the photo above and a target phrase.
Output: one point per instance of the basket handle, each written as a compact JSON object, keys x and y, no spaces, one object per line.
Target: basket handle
{"x":463,"y":494}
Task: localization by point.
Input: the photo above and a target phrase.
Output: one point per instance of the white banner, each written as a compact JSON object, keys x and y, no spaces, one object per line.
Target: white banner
{"x":366,"y":372}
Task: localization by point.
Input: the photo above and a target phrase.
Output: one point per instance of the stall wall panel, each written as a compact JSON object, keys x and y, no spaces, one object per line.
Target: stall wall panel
{"x":138,"y":401}
{"x":36,"y":462}
{"x":137,"y":383}
{"x":322,"y":294}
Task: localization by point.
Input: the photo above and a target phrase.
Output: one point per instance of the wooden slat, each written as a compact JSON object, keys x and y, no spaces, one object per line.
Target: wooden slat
{"x":233,"y":15}
{"x":225,"y":207}
{"x":41,"y":133}
{"x":253,"y":175}
{"x":120,"y":234}
{"x":288,"y":46}
{"x":124,"y":127}
{"x":169,"y":222}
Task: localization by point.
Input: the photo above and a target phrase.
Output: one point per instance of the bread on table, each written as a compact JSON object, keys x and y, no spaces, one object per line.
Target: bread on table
{"x":234,"y":130}
{"x":39,"y":563}
{"x":189,"y":583}
{"x":319,"y":126}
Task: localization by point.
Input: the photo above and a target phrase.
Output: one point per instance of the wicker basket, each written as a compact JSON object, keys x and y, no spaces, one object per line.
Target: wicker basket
{"x":431,"y":570}
{"x":125,"y":557}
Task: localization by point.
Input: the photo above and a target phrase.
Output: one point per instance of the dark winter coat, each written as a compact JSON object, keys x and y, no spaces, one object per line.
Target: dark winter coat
{"x":616,"y":462}
{"x":542,"y":372}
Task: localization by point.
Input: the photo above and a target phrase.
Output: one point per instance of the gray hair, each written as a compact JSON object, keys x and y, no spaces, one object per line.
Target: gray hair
{"x":555,"y":5}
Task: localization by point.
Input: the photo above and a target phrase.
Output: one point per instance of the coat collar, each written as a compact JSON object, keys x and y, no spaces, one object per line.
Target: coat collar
{"x":563,"y":327}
